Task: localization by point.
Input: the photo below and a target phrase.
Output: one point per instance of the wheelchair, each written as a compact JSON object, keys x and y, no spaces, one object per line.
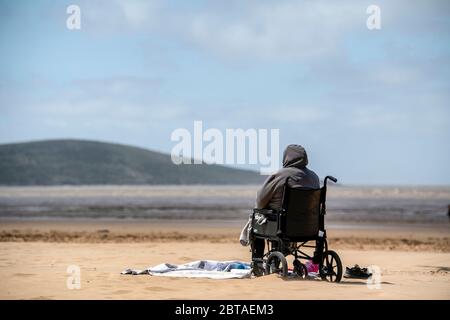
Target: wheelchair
{"x":300,"y":221}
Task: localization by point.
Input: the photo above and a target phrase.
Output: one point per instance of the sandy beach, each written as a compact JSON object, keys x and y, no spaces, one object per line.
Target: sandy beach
{"x":103,"y":230}
{"x":34,"y":256}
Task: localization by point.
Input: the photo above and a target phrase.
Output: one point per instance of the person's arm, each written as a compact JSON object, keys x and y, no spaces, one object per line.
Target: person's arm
{"x":265,"y":193}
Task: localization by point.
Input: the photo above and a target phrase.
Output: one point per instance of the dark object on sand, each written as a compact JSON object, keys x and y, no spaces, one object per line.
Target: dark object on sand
{"x":301,"y":219}
{"x":357,"y":273}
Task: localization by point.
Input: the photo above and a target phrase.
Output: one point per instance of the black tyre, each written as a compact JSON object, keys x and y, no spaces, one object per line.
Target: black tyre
{"x":276,"y":263}
{"x":331,"y":267}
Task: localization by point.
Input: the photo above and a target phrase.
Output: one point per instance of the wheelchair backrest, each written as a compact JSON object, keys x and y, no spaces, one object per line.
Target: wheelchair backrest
{"x":302,"y":211}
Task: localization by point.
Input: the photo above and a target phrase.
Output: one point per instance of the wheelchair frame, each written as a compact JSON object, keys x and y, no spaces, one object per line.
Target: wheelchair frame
{"x":276,"y":254}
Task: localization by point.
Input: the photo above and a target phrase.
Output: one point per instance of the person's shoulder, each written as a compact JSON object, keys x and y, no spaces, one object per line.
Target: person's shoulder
{"x":306,"y":169}
{"x":285,"y":171}
{"x":313,"y":175}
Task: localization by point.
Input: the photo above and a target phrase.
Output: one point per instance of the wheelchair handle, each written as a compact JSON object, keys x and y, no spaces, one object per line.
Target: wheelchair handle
{"x":331,"y":178}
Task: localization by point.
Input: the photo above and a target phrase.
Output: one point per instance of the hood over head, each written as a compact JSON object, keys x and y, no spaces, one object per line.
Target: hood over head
{"x":295,"y":156}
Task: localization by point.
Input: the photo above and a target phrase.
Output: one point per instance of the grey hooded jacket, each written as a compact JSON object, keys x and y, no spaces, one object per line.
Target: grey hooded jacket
{"x":295,"y":161}
{"x":270,"y":194}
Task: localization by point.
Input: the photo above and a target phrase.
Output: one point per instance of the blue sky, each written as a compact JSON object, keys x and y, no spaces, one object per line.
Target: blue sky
{"x":371,"y":107}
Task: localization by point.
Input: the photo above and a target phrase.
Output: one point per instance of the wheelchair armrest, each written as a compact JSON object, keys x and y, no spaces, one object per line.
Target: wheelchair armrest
{"x":265,"y":211}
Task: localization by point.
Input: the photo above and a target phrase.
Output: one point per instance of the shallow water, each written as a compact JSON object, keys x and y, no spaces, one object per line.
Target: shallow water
{"x":344,"y":203}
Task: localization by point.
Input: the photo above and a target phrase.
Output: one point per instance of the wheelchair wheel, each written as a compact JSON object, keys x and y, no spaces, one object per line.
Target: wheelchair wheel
{"x":276,"y":263}
{"x":331,"y":267}
{"x":300,"y":269}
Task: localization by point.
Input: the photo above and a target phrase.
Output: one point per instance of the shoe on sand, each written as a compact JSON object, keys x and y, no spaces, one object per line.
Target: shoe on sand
{"x":357,"y":273}
{"x":257,"y":268}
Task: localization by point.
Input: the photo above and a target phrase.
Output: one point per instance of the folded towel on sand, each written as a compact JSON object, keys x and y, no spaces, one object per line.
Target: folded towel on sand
{"x":198,"y":269}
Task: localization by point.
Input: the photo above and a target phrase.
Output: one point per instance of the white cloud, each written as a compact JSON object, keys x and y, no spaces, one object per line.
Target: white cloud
{"x":118,"y":101}
{"x":267,"y":29}
{"x":264,"y":29}
{"x":121,"y":16}
{"x":141,"y":13}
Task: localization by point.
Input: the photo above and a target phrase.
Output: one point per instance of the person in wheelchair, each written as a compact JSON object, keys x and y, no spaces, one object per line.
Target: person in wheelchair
{"x":270,"y":195}
{"x":289,"y":213}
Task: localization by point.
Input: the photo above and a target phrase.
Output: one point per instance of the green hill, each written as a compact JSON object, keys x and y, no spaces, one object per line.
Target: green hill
{"x":75,"y":162}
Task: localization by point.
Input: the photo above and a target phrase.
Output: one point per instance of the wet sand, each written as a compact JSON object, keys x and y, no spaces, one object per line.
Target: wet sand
{"x":407,"y":237}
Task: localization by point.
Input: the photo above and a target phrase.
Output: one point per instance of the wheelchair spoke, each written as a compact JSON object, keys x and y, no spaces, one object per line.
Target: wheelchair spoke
{"x":331,"y":267}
